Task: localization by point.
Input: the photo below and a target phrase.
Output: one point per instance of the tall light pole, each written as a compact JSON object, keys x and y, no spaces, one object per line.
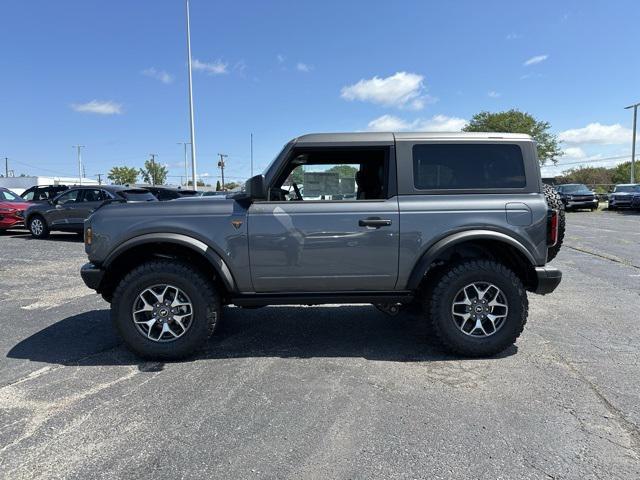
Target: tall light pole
{"x":186,"y":170}
{"x":633,"y":142}
{"x":79,"y":147}
{"x":252,"y":154}
{"x":193,"y":133}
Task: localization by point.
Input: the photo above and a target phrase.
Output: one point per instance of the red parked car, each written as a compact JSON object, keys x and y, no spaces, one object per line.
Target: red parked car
{"x":12,"y":209}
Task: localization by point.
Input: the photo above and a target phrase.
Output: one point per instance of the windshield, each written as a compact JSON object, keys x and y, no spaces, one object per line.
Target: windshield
{"x":573,"y":188}
{"x":7,"y":196}
{"x":627,"y":188}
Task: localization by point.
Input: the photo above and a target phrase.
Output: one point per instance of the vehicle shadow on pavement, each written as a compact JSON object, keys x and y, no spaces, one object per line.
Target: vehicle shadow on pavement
{"x":56,"y":237}
{"x":89,"y":339}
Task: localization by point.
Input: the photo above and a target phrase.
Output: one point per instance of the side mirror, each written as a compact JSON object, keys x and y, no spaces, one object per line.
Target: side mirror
{"x":255,"y":188}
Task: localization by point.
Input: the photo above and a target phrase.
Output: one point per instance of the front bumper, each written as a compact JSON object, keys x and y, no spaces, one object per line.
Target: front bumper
{"x":582,"y":203}
{"x":92,"y":276}
{"x":548,"y":279}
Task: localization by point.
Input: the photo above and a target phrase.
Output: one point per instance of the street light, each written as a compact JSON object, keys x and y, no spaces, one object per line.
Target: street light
{"x":186,"y":170}
{"x":193,"y":134}
{"x":633,"y":141}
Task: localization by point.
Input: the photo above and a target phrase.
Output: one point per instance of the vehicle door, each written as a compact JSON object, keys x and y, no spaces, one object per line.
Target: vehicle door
{"x":87,"y":202}
{"x":58,"y":215}
{"x":321,"y":231}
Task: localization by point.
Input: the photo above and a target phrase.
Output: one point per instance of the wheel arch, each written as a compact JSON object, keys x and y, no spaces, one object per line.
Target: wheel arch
{"x":475,"y":243}
{"x":139,"y":249}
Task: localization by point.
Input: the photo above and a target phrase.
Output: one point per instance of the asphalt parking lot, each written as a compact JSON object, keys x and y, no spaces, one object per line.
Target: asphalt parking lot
{"x":324,"y":392}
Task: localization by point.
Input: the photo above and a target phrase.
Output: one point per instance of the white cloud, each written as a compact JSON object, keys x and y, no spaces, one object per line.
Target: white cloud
{"x":574,"y":153}
{"x":212,"y":68}
{"x":493,"y":94}
{"x":535,"y":60}
{"x":513,"y":36}
{"x":303,"y":67}
{"x":281,"y":58}
{"x":402,"y":90}
{"x":160,"y":75}
{"x":99,"y":107}
{"x":437,"y":123}
{"x":597,"y":133}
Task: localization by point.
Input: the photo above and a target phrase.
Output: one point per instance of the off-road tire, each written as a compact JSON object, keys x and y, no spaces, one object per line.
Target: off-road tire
{"x":44,"y":233}
{"x":201,"y":291}
{"x":445,"y":291}
{"x":555,"y":202}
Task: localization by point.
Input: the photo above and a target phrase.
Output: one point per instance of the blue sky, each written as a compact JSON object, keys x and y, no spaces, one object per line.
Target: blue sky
{"x":112,"y":75}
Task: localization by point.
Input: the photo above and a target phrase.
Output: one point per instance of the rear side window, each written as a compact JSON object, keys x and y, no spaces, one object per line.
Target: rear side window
{"x":137,"y":196}
{"x":467,"y":166}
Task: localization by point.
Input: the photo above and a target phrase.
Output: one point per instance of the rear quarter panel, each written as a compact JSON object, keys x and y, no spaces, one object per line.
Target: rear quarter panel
{"x":427,"y":217}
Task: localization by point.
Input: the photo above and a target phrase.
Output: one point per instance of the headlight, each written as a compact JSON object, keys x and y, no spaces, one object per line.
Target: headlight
{"x":7,"y":211}
{"x":88,"y":236}
{"x":569,"y":197}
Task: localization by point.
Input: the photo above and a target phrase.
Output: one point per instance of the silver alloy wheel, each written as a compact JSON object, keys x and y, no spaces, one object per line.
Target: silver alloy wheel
{"x":480,"y":309}
{"x":162,"y":313}
{"x":37,"y":227}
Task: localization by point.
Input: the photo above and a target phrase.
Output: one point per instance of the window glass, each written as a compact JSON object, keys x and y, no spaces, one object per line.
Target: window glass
{"x":7,"y":195}
{"x":94,"y":196}
{"x":28,"y":196}
{"x":467,"y":166}
{"x":323,"y":182}
{"x":68,"y":197}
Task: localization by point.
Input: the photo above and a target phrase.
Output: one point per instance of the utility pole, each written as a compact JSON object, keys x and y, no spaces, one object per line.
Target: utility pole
{"x":6,"y":167}
{"x":221,"y":165}
{"x":99,"y":175}
{"x":252,"y":154}
{"x":79,"y":147}
{"x":186,"y":170}
{"x":633,"y":141}
{"x":192,"y":128}
{"x":152,"y":170}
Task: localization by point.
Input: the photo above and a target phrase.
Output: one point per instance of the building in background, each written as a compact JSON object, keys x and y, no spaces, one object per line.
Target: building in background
{"x":20,"y":184}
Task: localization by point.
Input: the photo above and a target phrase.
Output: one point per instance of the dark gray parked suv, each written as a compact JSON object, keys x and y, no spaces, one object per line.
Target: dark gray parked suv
{"x":69,"y":210}
{"x":456,"y":224}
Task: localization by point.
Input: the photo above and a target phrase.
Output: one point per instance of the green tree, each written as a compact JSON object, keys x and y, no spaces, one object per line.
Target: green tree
{"x":586,"y":175}
{"x":154,"y":173}
{"x":218,"y":186}
{"x":123,"y":175}
{"x":621,"y":173}
{"x":515,"y":121}
{"x":345,"y":171}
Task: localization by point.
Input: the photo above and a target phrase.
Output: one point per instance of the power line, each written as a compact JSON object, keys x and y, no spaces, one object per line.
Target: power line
{"x":581,"y":162}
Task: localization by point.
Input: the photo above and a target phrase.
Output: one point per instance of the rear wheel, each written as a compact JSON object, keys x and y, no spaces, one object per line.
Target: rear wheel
{"x":38,"y":227}
{"x":553,"y":201}
{"x":478,"y":308}
{"x":165,"y":309}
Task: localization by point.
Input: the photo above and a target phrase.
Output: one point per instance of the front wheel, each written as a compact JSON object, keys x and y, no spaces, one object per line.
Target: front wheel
{"x":38,"y":227}
{"x":165,"y":309}
{"x":478,"y":308}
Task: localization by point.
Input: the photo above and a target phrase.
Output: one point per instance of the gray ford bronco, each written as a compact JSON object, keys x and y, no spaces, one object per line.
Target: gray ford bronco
{"x":455,"y":224}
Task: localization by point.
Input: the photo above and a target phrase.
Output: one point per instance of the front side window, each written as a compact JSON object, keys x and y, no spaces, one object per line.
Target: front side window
{"x":333,"y":175}
{"x":68,"y":197}
{"x":467,"y":166}
{"x":94,"y":196}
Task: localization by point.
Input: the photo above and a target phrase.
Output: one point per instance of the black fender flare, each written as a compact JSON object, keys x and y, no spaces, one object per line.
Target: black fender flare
{"x":422,"y":265}
{"x":199,"y":247}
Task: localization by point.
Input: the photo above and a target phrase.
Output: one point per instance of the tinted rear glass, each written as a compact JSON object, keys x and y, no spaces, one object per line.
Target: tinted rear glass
{"x":467,"y":166}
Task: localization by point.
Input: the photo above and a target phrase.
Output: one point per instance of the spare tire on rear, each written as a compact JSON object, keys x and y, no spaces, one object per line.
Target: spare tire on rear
{"x":553,"y":201}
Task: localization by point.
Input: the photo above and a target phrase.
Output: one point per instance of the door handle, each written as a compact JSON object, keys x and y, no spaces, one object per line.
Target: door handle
{"x":375,"y":222}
